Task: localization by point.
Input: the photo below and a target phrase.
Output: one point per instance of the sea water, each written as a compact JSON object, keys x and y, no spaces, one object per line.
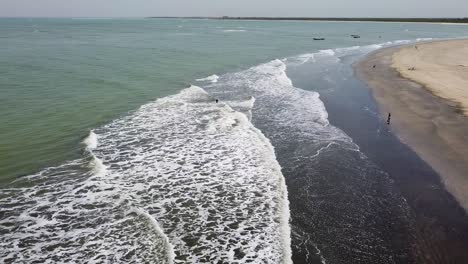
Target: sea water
{"x":113,"y":148}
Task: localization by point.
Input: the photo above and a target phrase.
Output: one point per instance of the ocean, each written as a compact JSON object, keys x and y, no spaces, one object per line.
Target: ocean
{"x":113,"y":147}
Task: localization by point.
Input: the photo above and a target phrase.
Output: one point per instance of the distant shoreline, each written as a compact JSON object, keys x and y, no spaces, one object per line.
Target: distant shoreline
{"x":337,"y":19}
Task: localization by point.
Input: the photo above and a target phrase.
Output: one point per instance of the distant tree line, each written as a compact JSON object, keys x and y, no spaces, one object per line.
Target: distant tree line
{"x":367,"y":19}
{"x":438,"y":20}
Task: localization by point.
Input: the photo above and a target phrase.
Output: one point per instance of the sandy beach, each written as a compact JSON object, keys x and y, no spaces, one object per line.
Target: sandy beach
{"x":442,"y":67}
{"x":425,"y":88}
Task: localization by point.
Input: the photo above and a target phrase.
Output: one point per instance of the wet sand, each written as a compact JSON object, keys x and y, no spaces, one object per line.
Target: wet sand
{"x":432,"y":228}
{"x":435,"y":129}
{"x":433,"y":126}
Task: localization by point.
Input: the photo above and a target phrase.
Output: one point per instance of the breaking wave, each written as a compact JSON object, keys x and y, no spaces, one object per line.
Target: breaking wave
{"x":184,"y":164}
{"x":91,"y":141}
{"x":212,"y":78}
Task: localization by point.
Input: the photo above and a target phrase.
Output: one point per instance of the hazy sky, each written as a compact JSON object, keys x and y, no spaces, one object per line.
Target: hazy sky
{"x":310,"y":8}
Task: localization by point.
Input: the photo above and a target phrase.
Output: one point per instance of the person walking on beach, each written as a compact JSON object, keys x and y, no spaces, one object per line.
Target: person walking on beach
{"x":388,"y":119}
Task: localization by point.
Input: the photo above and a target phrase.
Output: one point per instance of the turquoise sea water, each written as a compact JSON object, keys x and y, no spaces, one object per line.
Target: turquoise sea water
{"x":59,"y":78}
{"x":109,"y":154}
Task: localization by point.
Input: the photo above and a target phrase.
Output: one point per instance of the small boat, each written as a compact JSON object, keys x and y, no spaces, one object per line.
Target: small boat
{"x":319,"y":38}
{"x":355,"y":36}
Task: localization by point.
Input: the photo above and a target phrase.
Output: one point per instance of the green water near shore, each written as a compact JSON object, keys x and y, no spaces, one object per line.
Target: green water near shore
{"x":60,"y":78}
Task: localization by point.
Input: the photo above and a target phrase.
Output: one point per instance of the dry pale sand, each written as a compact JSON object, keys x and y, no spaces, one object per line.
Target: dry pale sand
{"x":442,"y":67}
{"x":426,"y":105}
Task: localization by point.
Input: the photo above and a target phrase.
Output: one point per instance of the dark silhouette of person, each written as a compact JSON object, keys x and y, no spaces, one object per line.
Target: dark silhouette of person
{"x":216,"y":100}
{"x":388,"y":119}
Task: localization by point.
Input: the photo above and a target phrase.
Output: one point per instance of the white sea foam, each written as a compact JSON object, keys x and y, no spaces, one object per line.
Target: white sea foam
{"x":212,"y":78}
{"x":404,"y":41}
{"x":168,"y":247}
{"x":244,"y":106}
{"x":285,"y":108}
{"x":198,"y":170}
{"x":424,"y":39}
{"x":270,"y":84}
{"x":97,"y":166}
{"x":353,"y":48}
{"x":328,"y":52}
{"x":295,"y":110}
{"x":204,"y":156}
{"x":234,"y":30}
{"x":91,"y":141}
{"x":301,"y":59}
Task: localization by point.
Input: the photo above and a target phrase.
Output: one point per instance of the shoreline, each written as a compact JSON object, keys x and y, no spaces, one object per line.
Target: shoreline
{"x":430,"y":125}
{"x":432,"y":226}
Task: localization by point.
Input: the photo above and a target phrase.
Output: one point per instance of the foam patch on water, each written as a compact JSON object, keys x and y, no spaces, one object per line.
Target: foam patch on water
{"x":234,"y":30}
{"x":402,"y":42}
{"x":424,"y":39}
{"x":301,"y":59}
{"x":167,"y":246}
{"x":97,"y":166}
{"x":212,"y":78}
{"x":91,"y":141}
{"x":244,"y":105}
{"x":182,"y":179}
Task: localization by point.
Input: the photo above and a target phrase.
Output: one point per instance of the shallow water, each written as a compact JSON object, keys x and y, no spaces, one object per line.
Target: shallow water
{"x":344,"y":208}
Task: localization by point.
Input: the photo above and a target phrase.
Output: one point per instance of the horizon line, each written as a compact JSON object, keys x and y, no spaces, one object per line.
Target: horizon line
{"x":240,"y":17}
